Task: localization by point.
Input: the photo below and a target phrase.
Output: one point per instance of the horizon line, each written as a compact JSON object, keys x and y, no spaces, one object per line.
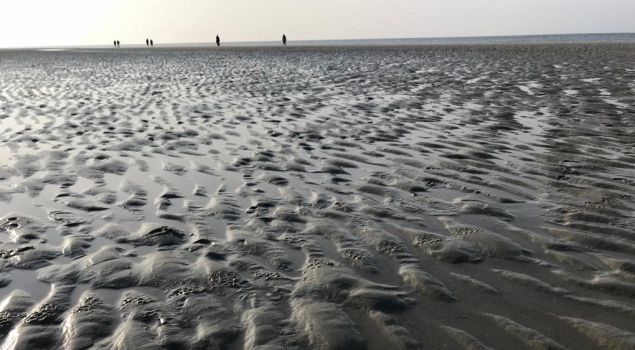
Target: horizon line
{"x":246,"y":42}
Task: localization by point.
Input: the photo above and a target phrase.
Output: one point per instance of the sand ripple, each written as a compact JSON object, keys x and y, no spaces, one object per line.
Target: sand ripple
{"x":328,"y":198}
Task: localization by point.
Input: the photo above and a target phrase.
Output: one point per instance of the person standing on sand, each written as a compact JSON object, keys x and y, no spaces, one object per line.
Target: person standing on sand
{"x":115,"y":43}
{"x":147,"y":42}
{"x":217,"y":40}
{"x":284,"y":40}
{"x":118,"y":43}
{"x":151,"y":43}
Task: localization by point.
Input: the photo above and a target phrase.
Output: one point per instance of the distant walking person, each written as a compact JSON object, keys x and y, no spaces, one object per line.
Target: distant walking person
{"x":147,"y":42}
{"x":115,"y":43}
{"x":284,"y":40}
{"x":217,"y":40}
{"x":151,"y":43}
{"x":118,"y":43}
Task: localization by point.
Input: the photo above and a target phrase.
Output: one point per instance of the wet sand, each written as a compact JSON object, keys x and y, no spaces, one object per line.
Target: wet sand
{"x":449,"y":197}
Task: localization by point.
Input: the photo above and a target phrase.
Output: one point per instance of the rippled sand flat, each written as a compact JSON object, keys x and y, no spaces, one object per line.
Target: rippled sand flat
{"x":468,"y":197}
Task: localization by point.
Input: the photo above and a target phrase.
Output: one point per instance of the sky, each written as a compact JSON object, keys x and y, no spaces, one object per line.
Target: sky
{"x":43,"y":23}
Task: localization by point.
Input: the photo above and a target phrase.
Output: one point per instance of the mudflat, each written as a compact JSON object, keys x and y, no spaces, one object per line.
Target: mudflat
{"x":441,"y":197}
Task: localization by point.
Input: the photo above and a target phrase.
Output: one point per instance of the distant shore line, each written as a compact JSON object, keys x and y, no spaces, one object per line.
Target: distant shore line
{"x":466,"y":40}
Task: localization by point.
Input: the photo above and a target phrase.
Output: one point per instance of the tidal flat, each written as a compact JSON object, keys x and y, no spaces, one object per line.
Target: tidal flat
{"x":422,"y":197}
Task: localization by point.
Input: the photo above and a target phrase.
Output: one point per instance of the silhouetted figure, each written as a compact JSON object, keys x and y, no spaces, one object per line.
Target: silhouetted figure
{"x":151,"y":43}
{"x":284,"y":39}
{"x":147,"y":42}
{"x":115,"y":43}
{"x":217,"y":40}
{"x":118,"y":43}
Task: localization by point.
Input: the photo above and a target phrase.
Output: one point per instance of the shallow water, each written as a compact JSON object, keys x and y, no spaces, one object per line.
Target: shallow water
{"x":374,"y":197}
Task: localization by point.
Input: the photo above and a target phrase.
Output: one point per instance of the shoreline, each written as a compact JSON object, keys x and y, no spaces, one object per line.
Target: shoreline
{"x":347,"y":198}
{"x":591,"y":38}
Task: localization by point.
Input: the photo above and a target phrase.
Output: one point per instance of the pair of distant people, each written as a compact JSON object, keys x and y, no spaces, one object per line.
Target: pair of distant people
{"x":284,"y":40}
{"x":116,"y":43}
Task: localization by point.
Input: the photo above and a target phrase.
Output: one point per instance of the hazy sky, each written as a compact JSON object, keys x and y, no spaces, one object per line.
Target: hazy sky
{"x":96,"y":22}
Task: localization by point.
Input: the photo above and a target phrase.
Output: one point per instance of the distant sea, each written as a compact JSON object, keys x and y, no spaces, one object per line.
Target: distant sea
{"x":523,"y":39}
{"x":482,"y":40}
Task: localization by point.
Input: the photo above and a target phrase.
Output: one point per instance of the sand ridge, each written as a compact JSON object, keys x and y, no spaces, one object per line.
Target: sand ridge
{"x":449,"y":197}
